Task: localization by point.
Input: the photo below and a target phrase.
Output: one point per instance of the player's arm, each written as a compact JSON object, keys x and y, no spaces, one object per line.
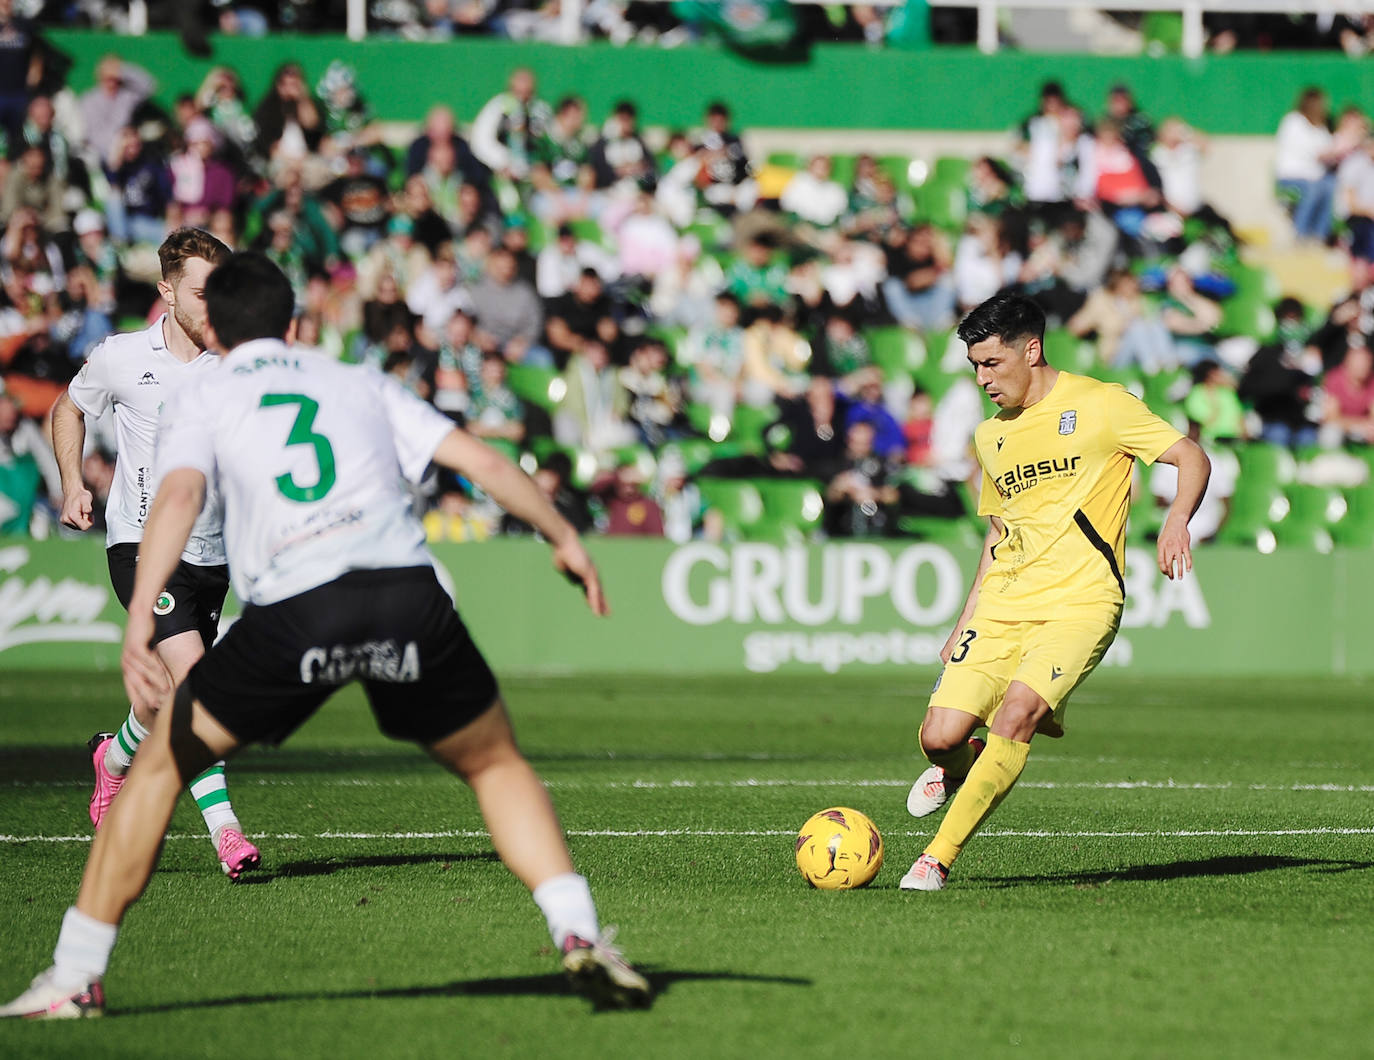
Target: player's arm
{"x":996,"y":531}
{"x":517,"y":494}
{"x":175,"y":507}
{"x":1194,"y":469}
{"x":68,"y":443}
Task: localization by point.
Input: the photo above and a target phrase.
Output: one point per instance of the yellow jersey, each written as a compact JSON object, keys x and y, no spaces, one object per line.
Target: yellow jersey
{"x":1058,"y":475}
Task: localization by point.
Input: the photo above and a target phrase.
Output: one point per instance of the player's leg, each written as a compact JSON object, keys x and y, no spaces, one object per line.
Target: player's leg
{"x":948,"y":743}
{"x":528,"y":838}
{"x":182,"y":740}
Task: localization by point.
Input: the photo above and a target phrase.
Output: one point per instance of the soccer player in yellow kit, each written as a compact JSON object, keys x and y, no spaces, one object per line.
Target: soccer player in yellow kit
{"x":1047,"y":599}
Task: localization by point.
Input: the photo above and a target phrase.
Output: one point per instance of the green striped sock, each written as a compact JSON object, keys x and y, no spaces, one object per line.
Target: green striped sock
{"x":212,"y":796}
{"x":119,"y":756}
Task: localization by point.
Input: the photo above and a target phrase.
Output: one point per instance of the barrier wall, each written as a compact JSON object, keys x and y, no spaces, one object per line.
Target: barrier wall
{"x":838,"y":607}
{"x":837,"y":87}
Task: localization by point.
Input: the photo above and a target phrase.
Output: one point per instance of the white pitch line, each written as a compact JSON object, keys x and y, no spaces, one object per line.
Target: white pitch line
{"x":750,"y":782}
{"x":664,"y":833}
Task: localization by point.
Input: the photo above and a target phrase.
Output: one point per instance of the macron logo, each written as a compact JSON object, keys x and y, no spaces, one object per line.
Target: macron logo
{"x":148,"y":379}
{"x":1055,"y":673}
{"x":999,"y":444}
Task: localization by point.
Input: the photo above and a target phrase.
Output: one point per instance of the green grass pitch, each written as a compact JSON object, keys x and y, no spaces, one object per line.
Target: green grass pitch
{"x":1189,"y":873}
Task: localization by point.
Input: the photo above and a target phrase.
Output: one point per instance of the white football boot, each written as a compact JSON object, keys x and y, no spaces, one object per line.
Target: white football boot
{"x":926,"y":874}
{"x":933,"y":789}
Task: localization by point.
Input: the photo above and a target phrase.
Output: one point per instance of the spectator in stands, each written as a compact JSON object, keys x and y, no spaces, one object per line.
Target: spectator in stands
{"x":398,"y":255}
{"x":867,"y":406}
{"x":313,"y":238}
{"x":629,"y":511}
{"x":40,"y":131}
{"x":873,"y":212}
{"x":1355,"y":202}
{"x":494,"y":412}
{"x":812,"y":196}
{"x":991,"y":186}
{"x":1350,"y":320}
{"x":119,"y":89}
{"x":416,"y":204}
{"x":1040,"y":151}
{"x":1305,"y":158}
{"x":841,"y":350}
{"x":357,"y":204}
{"x":221,"y":99}
{"x":1348,"y":410}
{"x":458,"y":365}
{"x":508,"y":128}
{"x":289,"y":121}
{"x":775,"y":358}
{"x":348,"y":121}
{"x":91,"y":285}
{"x":808,"y":437}
{"x":648,"y":245}
{"x":859,"y":499}
{"x":385,"y":311}
{"x":714,"y":358}
{"x":1132,"y":332}
{"x":32,"y":185}
{"x":21,"y":68}
{"x":563,"y":260}
{"x":30,"y":258}
{"x":620,"y":157}
{"x":1279,"y":383}
{"x":21,"y":438}
{"x":436,"y":295}
{"x":564,"y":147}
{"x":201,"y":182}
{"x":918,"y":429}
{"x":592,"y":413}
{"x":1116,"y":179}
{"x":1177,"y":156}
{"x":984,"y":261}
{"x":440,"y":126}
{"x":724,"y":179}
{"x":1214,"y":406}
{"x":1137,"y":131}
{"x":684,"y":514}
{"x":512,"y":317}
{"x":554,"y":479}
{"x":755,"y":278}
{"x":919,"y":289}
{"x":573,"y":317}
{"x":655,"y":407}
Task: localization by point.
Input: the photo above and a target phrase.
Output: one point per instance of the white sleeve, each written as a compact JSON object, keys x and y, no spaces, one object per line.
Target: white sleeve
{"x":90,"y":389}
{"x":416,"y":426}
{"x":185,"y":437}
{"x":484,"y":139}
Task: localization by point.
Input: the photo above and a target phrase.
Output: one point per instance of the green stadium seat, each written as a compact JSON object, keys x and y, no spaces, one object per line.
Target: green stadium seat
{"x":748,"y":424}
{"x":796,"y":502}
{"x":898,"y":352}
{"x":786,"y":159}
{"x":1265,"y":465}
{"x":641,"y":456}
{"x":1356,"y":530}
{"x":952,"y":169}
{"x":738,"y":502}
{"x":953,"y":533}
{"x":588,"y":230}
{"x":536,"y":386}
{"x":695,"y":453}
{"x":898,"y":169}
{"x":842,"y":169}
{"x":1248,"y":314}
{"x":1255,"y":281}
{"x":1065,"y":350}
{"x":777,"y":531}
{"x":670,"y":336}
{"x":943,"y":205}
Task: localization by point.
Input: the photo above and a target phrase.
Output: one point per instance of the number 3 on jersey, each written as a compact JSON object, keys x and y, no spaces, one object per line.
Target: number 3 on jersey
{"x":960,"y":652}
{"x":302,"y":434}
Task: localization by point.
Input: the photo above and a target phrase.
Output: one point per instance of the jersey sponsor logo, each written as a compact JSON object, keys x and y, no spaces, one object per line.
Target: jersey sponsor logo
{"x":147,"y":379}
{"x":1021,"y":477}
{"x":377,"y":660}
{"x":1068,"y":421}
{"x":166,"y":603}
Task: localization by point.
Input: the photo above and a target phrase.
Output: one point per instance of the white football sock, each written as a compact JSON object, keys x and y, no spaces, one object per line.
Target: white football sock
{"x":566,"y":902}
{"x":119,"y":756}
{"x":83,"y":950}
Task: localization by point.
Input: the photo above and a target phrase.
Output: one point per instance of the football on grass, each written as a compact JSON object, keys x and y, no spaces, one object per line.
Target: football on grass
{"x":839,"y":848}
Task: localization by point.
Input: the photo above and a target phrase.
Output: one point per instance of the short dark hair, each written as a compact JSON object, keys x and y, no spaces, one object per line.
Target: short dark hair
{"x":247,"y":297}
{"x":1011,"y":318}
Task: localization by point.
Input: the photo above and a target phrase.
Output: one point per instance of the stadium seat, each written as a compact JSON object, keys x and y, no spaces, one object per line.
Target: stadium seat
{"x":898,"y":352}
{"x":943,"y":205}
{"x":898,"y":168}
{"x":748,"y":424}
{"x":536,"y":386}
{"x":1249,"y":314}
{"x":588,"y":230}
{"x":842,"y":168}
{"x":1266,"y":465}
{"x":695,"y":453}
{"x":738,"y":502}
{"x":796,"y":502}
{"x":952,"y":169}
{"x":1356,"y":530}
{"x":953,"y":533}
{"x":785,"y":159}
{"x":1065,"y":350}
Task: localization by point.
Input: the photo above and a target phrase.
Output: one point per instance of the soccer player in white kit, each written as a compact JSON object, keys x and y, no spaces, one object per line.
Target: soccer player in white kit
{"x":330,"y":561}
{"x":136,"y":374}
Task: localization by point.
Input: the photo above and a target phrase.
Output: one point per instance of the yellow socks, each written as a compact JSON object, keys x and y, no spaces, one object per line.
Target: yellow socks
{"x":955,"y":763}
{"x":988,"y":782}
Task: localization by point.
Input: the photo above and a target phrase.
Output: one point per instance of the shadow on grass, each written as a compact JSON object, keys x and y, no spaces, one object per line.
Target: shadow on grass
{"x":1225,"y":865}
{"x":329,"y":866}
{"x":551,"y":985}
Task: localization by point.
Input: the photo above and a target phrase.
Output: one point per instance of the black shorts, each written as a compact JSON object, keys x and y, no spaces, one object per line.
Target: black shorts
{"x":191,"y":600}
{"x":394,"y":630}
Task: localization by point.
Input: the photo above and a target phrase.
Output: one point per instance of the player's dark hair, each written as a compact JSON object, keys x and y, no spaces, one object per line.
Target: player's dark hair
{"x":1012,"y":318}
{"x":247,"y":297}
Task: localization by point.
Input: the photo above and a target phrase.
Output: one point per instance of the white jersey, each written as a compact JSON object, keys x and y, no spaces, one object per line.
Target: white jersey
{"x":136,"y":375}
{"x":310,"y":456}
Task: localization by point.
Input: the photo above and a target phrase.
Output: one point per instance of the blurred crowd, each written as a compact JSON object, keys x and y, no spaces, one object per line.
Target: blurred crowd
{"x":644,"y":316}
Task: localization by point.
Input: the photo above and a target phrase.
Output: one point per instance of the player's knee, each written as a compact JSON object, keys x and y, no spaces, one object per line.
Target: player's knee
{"x":941,"y":739}
{"x":1023,"y":707}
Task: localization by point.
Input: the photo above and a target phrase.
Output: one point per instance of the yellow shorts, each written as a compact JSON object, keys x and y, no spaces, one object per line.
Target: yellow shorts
{"x":1052,"y":657}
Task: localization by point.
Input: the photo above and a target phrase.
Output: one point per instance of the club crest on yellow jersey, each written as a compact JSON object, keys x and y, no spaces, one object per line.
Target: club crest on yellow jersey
{"x":1068,"y":421}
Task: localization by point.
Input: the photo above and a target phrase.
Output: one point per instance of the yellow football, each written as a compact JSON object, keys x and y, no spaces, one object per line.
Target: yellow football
{"x":839,"y":848}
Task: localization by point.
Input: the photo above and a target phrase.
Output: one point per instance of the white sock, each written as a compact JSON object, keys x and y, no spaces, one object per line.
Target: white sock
{"x":83,"y":950}
{"x":566,"y":902}
{"x":212,"y":796}
{"x":119,"y":756}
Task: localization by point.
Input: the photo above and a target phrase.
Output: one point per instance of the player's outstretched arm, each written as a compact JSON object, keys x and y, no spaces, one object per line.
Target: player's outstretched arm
{"x":514,"y":491}
{"x":68,"y":442}
{"x":1194,"y":469}
{"x":178,"y":502}
{"x":996,"y":531}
